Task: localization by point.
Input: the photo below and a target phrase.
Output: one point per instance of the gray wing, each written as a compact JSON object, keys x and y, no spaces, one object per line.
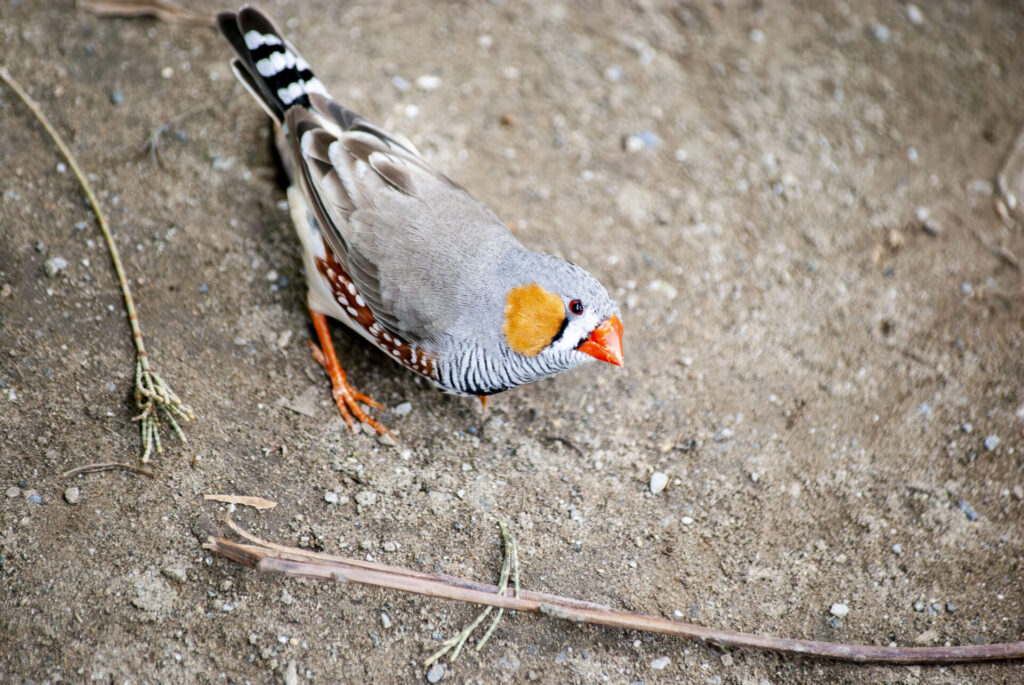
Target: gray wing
{"x":418,"y":247}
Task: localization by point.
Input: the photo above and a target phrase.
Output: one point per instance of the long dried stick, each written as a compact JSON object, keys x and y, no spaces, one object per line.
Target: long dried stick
{"x":153,"y":397}
{"x":164,"y":10}
{"x":270,"y":557}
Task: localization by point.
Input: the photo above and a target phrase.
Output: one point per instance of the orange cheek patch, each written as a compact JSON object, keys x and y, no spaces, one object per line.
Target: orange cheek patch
{"x":533,"y":317}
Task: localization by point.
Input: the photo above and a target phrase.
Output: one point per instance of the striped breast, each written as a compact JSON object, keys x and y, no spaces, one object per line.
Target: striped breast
{"x":412,"y":357}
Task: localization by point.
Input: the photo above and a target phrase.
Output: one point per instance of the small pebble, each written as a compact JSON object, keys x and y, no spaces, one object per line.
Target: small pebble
{"x":403,"y":409}
{"x":756,"y":35}
{"x":931,"y":227}
{"x":385,"y":620}
{"x":35,"y":499}
{"x":72,"y":495}
{"x":658,"y":482}
{"x":663,"y":287}
{"x":635,"y":142}
{"x":992,"y":442}
{"x":401,"y":84}
{"x":981,"y":186}
{"x":291,"y":674}
{"x":435,"y":673}
{"x":116,"y":97}
{"x":428,"y":82}
{"x":880,"y":32}
{"x":661,"y":663}
{"x":62,"y":168}
{"x":968,"y":511}
{"x":13,"y":491}
{"x":386,"y":439}
{"x":839,"y":610}
{"x":613,"y":73}
{"x":686,"y":521}
{"x":331,"y":497}
{"x":175,"y":572}
{"x":919,"y":605}
{"x":390,"y":546}
{"x":967,"y":427}
{"x":366,"y":498}
{"x":897,"y":549}
{"x":914,"y":15}
{"x":54,"y":266}
{"x":950,"y":607}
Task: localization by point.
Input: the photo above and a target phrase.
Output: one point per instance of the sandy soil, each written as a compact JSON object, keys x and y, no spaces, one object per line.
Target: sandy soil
{"x":816,"y":373}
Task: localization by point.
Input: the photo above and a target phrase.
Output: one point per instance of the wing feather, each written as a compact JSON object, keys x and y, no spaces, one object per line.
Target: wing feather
{"x":377,"y":201}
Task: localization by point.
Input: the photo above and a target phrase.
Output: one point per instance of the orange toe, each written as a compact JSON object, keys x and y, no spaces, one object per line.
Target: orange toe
{"x":346,"y":397}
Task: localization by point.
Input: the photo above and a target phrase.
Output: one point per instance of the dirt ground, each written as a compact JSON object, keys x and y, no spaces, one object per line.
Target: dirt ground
{"x":793,"y":205}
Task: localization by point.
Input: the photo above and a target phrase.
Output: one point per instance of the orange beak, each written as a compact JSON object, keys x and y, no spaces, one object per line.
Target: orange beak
{"x":605,"y":343}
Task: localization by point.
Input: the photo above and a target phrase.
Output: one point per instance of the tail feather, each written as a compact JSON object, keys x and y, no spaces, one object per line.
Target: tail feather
{"x":268,"y":65}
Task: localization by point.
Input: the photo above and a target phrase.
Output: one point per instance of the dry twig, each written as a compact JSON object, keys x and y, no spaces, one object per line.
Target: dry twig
{"x":242,"y":500}
{"x":109,"y":466}
{"x":270,"y":557}
{"x":153,"y":397}
{"x":164,"y":10}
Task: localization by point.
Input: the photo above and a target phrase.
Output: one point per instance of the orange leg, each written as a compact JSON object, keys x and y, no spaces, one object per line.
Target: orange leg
{"x":346,"y":397}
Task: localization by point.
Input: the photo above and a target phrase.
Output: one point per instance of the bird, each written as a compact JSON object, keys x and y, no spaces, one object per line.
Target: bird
{"x":404,"y":256}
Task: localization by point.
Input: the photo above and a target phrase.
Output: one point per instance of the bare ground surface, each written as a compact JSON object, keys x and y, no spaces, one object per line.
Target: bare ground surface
{"x":816,"y":374}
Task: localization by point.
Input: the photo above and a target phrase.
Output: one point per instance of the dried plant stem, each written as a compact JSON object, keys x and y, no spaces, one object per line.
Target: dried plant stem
{"x":509,"y":565}
{"x":109,"y":466}
{"x":270,"y":557}
{"x":153,"y":397}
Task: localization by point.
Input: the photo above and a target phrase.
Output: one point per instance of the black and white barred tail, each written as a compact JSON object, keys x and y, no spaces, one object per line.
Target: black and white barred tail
{"x":267,"y":64}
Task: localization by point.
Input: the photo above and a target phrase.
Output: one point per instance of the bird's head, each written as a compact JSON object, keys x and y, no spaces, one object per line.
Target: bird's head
{"x":562,"y":319}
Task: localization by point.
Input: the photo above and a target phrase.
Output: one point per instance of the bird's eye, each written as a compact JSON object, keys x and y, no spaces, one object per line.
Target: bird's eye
{"x":576,"y":307}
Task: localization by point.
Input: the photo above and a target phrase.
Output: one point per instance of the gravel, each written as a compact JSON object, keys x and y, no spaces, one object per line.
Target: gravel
{"x":366,"y":498}
{"x":73,"y":495}
{"x":992,"y":442}
{"x":659,"y":480}
{"x":54,"y":266}
{"x":969,"y":512}
{"x":880,"y":33}
{"x":428,"y":82}
{"x":331,"y":497}
{"x":661,"y":663}
{"x":435,"y":673}
{"x":839,"y":610}
{"x":403,"y":409}
{"x":176,"y":572}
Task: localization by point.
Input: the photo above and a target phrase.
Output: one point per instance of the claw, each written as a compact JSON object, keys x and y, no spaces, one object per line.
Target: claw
{"x":346,"y":398}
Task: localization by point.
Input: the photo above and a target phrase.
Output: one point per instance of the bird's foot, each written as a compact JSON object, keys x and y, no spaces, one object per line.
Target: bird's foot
{"x":346,"y":397}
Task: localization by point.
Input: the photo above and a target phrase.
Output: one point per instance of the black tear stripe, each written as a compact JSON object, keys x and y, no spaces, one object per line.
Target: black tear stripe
{"x":561,"y":331}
